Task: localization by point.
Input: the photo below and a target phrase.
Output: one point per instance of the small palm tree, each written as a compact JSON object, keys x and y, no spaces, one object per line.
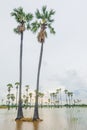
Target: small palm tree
{"x":17,"y":85}
{"x":41,"y":95}
{"x":27,"y":89}
{"x":23,"y":20}
{"x":8,"y":102}
{"x":66,"y":92}
{"x":30,"y":95}
{"x":44,"y":21}
{"x":57,"y":92}
{"x":69,"y":94}
{"x":12,"y":98}
{"x":9,"y":91}
{"x":60,"y":97}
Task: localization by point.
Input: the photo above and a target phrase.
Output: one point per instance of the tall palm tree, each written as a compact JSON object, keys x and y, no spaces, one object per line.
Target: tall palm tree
{"x":12,"y":98}
{"x":41,"y":95}
{"x":30,"y":95}
{"x":44,"y":21}
{"x":66,"y":92}
{"x":17,"y":84}
{"x":69,"y":94}
{"x":60,"y":97}
{"x":27,"y":89}
{"x":51,"y":98}
{"x":57,"y":92}
{"x":9,"y":90}
{"x":8,"y":101}
{"x":23,"y":20}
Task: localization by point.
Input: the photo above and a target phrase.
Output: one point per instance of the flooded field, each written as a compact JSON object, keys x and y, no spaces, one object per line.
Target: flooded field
{"x":53,"y":119}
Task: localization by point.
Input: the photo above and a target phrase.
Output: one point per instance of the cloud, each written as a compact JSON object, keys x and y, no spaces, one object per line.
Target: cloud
{"x":71,"y":81}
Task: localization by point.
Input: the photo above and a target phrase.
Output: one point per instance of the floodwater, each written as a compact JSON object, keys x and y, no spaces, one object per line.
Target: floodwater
{"x":53,"y":119}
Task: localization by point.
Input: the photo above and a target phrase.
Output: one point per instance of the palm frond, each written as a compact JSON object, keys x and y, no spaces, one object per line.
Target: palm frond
{"x":46,"y":14}
{"x":15,"y":15}
{"x":34,"y":29}
{"x":29,"y":17}
{"x":19,"y":10}
{"x":37,"y":14}
{"x":51,"y":29}
{"x":16,"y":31}
{"x":52,"y":12}
{"x":28,"y":26}
{"x":44,"y":9}
{"x":51,"y":20}
{"x":35,"y":26}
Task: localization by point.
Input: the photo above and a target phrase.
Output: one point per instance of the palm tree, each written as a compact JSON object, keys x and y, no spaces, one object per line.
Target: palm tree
{"x":41,"y":95}
{"x":49,"y":102}
{"x":57,"y":92}
{"x":8,"y":101}
{"x":2,"y":102}
{"x":51,"y":98}
{"x":9,"y":90}
{"x":30,"y":95}
{"x":23,"y":20}
{"x":12,"y":98}
{"x":69,"y":94}
{"x":43,"y":21}
{"x":27,"y":88}
{"x":66,"y":91}
{"x":17,"y":84}
{"x":60,"y":97}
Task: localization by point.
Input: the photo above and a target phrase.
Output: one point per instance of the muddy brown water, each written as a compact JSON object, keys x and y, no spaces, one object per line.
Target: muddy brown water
{"x":53,"y":119}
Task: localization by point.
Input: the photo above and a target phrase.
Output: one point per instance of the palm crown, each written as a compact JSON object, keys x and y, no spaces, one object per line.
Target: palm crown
{"x":22,"y":18}
{"x":44,"y":20}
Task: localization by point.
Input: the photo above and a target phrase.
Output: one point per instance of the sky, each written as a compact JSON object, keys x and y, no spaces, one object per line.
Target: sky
{"x":64,"y":63}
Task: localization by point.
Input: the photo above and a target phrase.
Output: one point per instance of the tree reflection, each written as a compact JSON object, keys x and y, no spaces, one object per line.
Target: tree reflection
{"x":36,"y":125}
{"x":72,"y":119}
{"x":19,"y":125}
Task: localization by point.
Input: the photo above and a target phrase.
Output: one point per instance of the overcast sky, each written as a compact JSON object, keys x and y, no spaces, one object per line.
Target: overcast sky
{"x":64,"y":61}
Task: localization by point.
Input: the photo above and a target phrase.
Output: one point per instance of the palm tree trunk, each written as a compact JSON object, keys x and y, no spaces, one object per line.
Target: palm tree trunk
{"x":36,"y":114}
{"x":20,"y":112}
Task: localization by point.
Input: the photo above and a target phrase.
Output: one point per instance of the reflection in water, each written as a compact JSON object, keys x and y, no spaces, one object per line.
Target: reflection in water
{"x":53,"y":119}
{"x":18,"y":125}
{"x":35,"y":125}
{"x":72,"y":119}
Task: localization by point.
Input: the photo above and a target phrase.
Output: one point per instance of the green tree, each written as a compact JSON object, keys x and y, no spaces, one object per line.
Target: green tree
{"x":44,"y":21}
{"x":23,"y":20}
{"x":9,"y":93}
{"x":41,"y":95}
{"x":66,"y":92}
{"x":12,"y":96}
{"x":69,"y":94}
{"x":51,"y":98}
{"x":17,"y":85}
{"x":57,"y":92}
{"x":30,"y":95}
{"x":60,"y":96}
{"x":27,"y":89}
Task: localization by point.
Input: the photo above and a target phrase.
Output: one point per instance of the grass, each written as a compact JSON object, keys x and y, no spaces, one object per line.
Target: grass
{"x":26,"y":119}
{"x":3,"y":107}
